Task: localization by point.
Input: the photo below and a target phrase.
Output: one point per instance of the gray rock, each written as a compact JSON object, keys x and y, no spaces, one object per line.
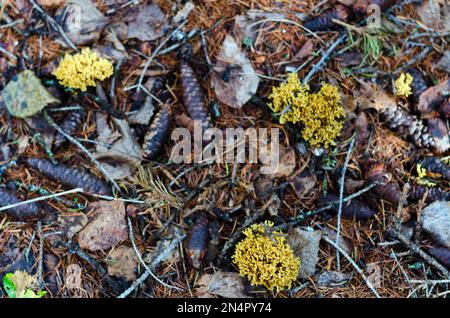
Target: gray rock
{"x":435,"y":220}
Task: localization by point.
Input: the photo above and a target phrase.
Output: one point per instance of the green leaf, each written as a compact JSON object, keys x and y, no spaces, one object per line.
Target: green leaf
{"x":9,"y":286}
{"x":25,"y":96}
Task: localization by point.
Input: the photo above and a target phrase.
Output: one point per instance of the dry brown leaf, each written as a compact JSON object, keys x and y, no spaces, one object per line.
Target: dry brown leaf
{"x":52,"y":4}
{"x":73,"y":276}
{"x":146,"y":22}
{"x":435,"y":14}
{"x":305,"y":51}
{"x":305,"y":245}
{"x":241,"y":79}
{"x":124,"y":155}
{"x":224,"y":284}
{"x":122,"y":262}
{"x":72,"y":224}
{"x":107,"y":228}
{"x":83,"y":22}
{"x":286,"y":163}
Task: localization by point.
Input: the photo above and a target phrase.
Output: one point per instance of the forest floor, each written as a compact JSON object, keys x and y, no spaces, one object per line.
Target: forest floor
{"x":364,"y":205}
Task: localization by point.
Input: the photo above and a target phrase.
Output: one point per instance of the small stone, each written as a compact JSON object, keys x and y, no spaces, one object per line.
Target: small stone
{"x":435,"y":220}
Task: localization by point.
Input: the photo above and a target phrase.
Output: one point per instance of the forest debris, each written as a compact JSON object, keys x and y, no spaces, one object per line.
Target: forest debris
{"x":304,"y":51}
{"x":193,"y":96}
{"x":125,"y":152}
{"x":435,"y":220}
{"x":302,"y":184}
{"x":324,"y":21}
{"x":73,"y":276}
{"x":444,"y":63}
{"x":442,"y":254}
{"x":25,"y":212}
{"x":223,"y":284}
{"x":69,"y":177}
{"x":122,"y":262}
{"x":374,"y":271}
{"x":235,"y":81}
{"x":433,"y":97}
{"x":183,"y":13}
{"x":375,"y":171}
{"x":351,"y":209}
{"x":72,"y":122}
{"x":145,"y":22}
{"x":286,"y":163}
{"x":107,"y":228}
{"x":198,"y":240}
{"x":52,"y":4}
{"x":434,"y":15}
{"x":83,"y":22}
{"x":332,"y":279}
{"x":158,"y":133}
{"x":305,"y":245}
{"x":144,"y":114}
{"x":72,"y":224}
{"x":440,"y":133}
{"x":25,"y":96}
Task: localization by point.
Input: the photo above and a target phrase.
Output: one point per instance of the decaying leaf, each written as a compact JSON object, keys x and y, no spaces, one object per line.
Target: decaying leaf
{"x":125,"y":154}
{"x":444,"y":63}
{"x":305,"y":245}
{"x":332,"y":279}
{"x":224,"y":284}
{"x":72,"y":224}
{"x":73,"y":277}
{"x":433,"y":97}
{"x":25,"y":96}
{"x":351,"y":209}
{"x":146,"y":22}
{"x":374,"y":271}
{"x":246,"y":26}
{"x":183,"y":13}
{"x":122,"y":262}
{"x":435,"y":14}
{"x":285,"y":166}
{"x":303,"y":184}
{"x":144,"y":114}
{"x":83,"y":22}
{"x":235,"y":81}
{"x":51,"y":4}
{"x":107,"y":227}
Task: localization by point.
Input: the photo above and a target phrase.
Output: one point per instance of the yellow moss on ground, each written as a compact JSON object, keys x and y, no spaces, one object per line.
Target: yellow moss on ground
{"x":83,"y":69}
{"x":319,"y":113}
{"x":265,"y":259}
{"x":402,"y":85}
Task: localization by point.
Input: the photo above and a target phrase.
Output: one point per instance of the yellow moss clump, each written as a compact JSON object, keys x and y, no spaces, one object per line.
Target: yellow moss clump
{"x":83,"y":69}
{"x":266,"y":259}
{"x":402,"y":85}
{"x":319,"y":113}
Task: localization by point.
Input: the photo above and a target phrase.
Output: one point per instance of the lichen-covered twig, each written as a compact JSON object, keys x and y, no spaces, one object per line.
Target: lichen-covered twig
{"x":366,"y":280}
{"x":341,"y":197}
{"x":178,"y":237}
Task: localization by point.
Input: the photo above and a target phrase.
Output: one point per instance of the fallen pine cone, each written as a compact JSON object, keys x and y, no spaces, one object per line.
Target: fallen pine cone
{"x":193,"y":97}
{"x":324,"y":21}
{"x":158,"y":133}
{"x":21,"y":213}
{"x":351,"y":209}
{"x":434,"y":194}
{"x":69,"y":177}
{"x":198,"y":240}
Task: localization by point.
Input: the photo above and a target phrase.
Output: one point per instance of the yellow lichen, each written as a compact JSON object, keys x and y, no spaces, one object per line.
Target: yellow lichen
{"x":83,"y":69}
{"x":265,"y":258}
{"x":402,"y":85}
{"x":320,"y":113}
{"x":421,"y":175}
